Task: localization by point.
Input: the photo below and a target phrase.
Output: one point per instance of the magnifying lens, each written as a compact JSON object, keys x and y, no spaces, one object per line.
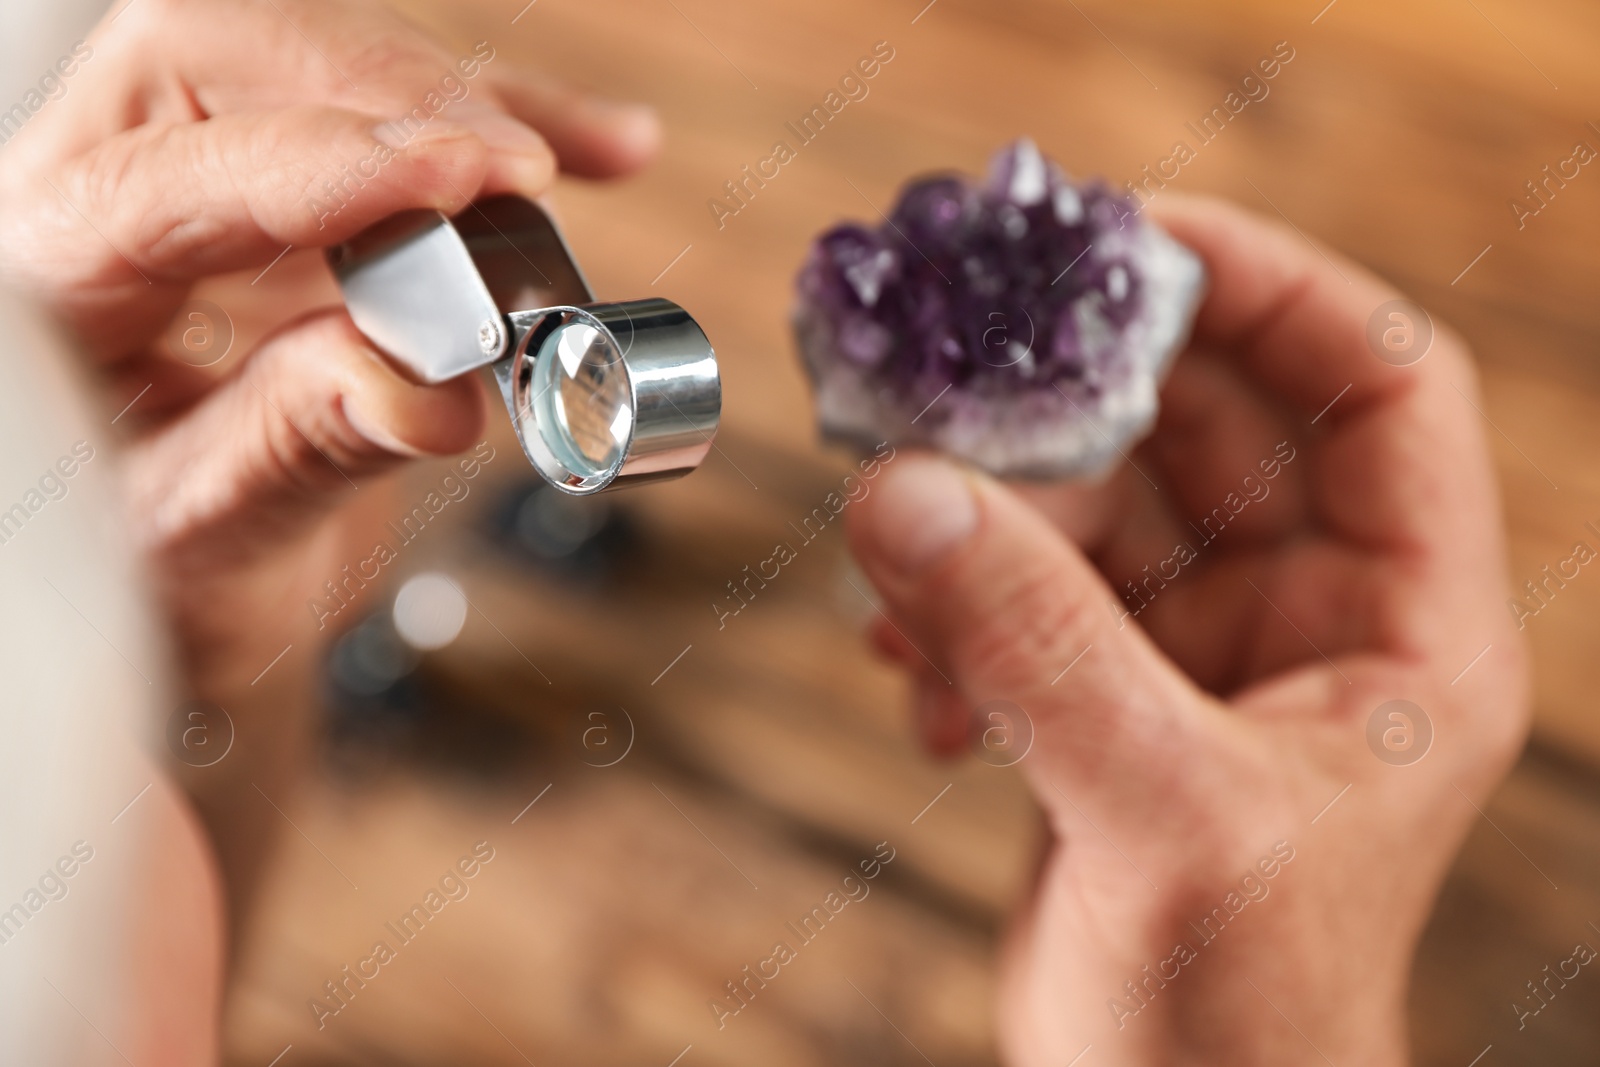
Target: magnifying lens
{"x":601,"y":395}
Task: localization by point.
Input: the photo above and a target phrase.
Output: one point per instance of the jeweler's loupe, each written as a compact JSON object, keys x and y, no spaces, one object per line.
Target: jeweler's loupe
{"x":601,"y":395}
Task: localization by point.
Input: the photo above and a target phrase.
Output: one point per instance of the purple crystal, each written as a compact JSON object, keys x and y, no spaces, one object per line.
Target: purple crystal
{"x":1023,"y":324}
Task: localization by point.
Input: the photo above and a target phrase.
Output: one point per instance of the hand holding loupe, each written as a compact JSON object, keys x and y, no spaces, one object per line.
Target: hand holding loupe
{"x":601,"y":395}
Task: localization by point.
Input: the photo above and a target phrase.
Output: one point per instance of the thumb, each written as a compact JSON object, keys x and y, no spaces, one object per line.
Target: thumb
{"x":313,"y":416}
{"x":1004,"y":608}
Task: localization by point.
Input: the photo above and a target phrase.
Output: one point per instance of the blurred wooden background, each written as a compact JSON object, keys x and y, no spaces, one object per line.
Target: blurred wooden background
{"x":774,"y":754}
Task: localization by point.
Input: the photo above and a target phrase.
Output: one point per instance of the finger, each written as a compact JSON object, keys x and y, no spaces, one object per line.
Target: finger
{"x":891,"y":644}
{"x":592,"y":137}
{"x":1001,"y":607}
{"x":1399,"y":464}
{"x":1086,"y":513}
{"x":312,"y":416}
{"x":1212,"y":463}
{"x":1295,"y":314}
{"x":1215,"y":436}
{"x":162,"y":206}
{"x":940,"y":715}
{"x":195,"y":60}
{"x":1220,"y":451}
{"x":519,"y":160}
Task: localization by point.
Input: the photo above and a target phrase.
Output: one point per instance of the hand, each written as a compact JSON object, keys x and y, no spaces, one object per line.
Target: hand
{"x":201,"y":137}
{"x":1219,"y":704}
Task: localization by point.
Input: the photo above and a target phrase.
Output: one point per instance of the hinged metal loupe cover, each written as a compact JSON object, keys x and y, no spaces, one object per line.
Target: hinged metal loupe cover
{"x":601,"y":395}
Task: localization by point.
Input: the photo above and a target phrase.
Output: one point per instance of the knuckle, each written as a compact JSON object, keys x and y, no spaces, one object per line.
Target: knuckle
{"x":289,"y":460}
{"x":165,"y":232}
{"x":303,"y":441}
{"x":95,"y":187}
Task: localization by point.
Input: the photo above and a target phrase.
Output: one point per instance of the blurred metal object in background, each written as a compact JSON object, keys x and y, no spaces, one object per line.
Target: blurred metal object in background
{"x":577,"y":541}
{"x":601,"y":394}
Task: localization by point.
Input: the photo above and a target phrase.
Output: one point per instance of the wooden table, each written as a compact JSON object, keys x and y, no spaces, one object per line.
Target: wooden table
{"x":774,"y":754}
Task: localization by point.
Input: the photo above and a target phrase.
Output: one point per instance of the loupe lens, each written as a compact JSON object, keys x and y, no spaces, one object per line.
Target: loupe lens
{"x":626,"y":392}
{"x":585,"y":405}
{"x":574,"y":402}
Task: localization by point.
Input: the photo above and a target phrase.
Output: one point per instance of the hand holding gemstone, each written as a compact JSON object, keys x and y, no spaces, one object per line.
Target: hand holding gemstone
{"x":1023,"y":325}
{"x":1210,"y":716}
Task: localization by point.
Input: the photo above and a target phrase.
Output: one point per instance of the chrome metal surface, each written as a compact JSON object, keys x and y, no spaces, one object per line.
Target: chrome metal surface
{"x":673,"y":392}
{"x":520,"y":255}
{"x":411,"y":286}
{"x":601,"y":395}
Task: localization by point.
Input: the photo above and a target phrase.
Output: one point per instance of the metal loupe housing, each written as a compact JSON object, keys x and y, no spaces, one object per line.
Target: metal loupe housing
{"x":601,"y":395}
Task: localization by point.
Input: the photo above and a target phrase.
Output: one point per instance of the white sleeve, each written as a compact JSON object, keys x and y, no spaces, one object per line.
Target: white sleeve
{"x":36,"y":33}
{"x":83,"y":688}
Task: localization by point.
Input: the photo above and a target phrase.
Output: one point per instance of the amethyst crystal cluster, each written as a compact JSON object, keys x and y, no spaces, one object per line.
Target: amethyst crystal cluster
{"x":1023,"y":324}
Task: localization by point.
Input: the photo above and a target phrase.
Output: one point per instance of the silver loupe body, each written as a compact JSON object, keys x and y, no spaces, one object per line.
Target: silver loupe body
{"x":601,"y":395}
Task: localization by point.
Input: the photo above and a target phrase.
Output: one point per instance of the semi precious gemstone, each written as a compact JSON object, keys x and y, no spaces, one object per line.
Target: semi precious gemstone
{"x":1023,"y":323}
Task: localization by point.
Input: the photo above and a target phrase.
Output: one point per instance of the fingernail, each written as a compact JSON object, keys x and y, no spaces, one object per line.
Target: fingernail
{"x":925,"y":510}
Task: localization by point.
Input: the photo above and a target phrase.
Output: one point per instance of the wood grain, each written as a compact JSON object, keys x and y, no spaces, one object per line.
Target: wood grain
{"x":774,"y":753}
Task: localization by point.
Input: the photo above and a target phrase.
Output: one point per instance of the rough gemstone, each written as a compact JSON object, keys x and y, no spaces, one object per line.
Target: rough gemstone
{"x":1023,"y":323}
